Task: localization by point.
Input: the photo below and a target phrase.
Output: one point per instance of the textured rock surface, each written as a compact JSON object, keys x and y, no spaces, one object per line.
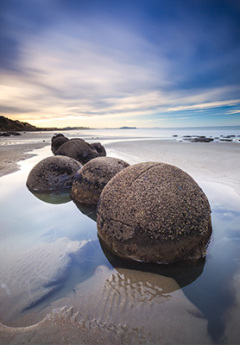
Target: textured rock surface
{"x":99,"y":148}
{"x":52,"y":173}
{"x":77,"y":149}
{"x":90,"y":180}
{"x":154,"y":212}
{"x":57,"y":141}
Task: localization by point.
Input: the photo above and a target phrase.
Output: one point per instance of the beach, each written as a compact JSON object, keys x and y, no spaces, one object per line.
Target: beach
{"x":10,"y":155}
{"x":218,"y":162}
{"x":101,"y":302}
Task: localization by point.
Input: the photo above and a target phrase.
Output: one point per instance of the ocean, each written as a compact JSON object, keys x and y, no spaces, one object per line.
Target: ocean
{"x":109,"y":134}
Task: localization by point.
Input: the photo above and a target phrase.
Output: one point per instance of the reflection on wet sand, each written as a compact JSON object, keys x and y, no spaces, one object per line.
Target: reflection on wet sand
{"x":59,"y":282}
{"x":215,"y":292}
{"x":182,"y":273}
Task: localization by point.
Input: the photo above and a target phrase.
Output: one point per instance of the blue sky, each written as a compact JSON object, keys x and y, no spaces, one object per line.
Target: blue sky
{"x":111,"y":63}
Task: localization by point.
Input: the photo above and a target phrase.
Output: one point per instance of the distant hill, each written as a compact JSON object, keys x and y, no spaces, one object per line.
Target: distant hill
{"x":10,"y":125}
{"x":7,"y":125}
{"x":126,"y":127}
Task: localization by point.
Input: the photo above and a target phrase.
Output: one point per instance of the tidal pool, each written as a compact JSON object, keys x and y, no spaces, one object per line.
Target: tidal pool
{"x":51,"y":262}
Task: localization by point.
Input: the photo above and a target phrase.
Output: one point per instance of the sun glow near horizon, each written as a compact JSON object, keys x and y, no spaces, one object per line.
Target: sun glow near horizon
{"x":145,"y":65}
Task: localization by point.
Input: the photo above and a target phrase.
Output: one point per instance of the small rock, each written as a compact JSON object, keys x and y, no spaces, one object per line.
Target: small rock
{"x":99,"y":148}
{"x":57,"y":141}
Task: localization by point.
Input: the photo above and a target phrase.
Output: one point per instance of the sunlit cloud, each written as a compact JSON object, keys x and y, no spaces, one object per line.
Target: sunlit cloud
{"x":91,"y":68}
{"x":205,"y":105}
{"x":233,"y":112}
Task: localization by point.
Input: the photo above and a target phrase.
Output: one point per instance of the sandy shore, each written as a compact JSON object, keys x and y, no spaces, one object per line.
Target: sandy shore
{"x":10,"y":155}
{"x":210,"y":162}
{"x":218,"y":162}
{"x":116,"y":294}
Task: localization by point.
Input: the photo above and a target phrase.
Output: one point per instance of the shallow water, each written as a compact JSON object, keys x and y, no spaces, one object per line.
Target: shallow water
{"x":51,"y":257}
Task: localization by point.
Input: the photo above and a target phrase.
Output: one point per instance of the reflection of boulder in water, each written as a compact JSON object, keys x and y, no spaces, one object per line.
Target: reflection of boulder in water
{"x":53,"y":198}
{"x":183,"y":273}
{"x":148,"y":298}
{"x":88,"y":210}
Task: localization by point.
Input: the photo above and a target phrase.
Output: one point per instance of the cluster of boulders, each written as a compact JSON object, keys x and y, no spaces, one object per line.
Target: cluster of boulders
{"x":198,"y":139}
{"x":204,"y":139}
{"x":8,"y":134}
{"x":148,"y":212}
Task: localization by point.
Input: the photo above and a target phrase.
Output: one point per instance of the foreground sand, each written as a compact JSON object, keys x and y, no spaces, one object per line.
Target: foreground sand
{"x":10,"y":155}
{"x":117,"y":293}
{"x":214,"y":162}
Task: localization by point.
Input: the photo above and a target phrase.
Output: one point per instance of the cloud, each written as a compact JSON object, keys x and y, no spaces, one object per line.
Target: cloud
{"x":233,"y":112}
{"x":207,"y":105}
{"x":71,"y":60}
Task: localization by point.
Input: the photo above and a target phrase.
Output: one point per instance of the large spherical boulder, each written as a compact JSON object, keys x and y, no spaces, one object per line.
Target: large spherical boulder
{"x":90,"y":180}
{"x":52,"y":174}
{"x":56,"y":141}
{"x":154,"y":212}
{"x":99,"y":148}
{"x":77,"y":149}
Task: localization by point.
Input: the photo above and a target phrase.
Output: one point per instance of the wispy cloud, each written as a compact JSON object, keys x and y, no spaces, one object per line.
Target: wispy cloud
{"x":89,"y":64}
{"x":207,"y":105}
{"x":233,"y":112}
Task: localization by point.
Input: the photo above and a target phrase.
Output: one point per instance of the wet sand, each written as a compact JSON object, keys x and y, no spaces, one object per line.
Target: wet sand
{"x":10,"y":155}
{"x":120,"y":298}
{"x":213,"y":162}
{"x":217,"y":162}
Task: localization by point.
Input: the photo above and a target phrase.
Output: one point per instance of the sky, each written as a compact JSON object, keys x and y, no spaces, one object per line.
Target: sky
{"x":113,"y":63}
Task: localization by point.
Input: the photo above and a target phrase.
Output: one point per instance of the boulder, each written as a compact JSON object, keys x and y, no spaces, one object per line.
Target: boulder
{"x":57,"y":141}
{"x":99,"y":148}
{"x":52,"y":174}
{"x":77,"y":149}
{"x":154,"y":212}
{"x":90,"y":180}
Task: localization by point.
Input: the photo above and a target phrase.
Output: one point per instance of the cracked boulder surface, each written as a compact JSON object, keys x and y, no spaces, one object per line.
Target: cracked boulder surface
{"x":154,"y":212}
{"x":77,"y":149}
{"x":53,"y":173}
{"x":90,"y":180}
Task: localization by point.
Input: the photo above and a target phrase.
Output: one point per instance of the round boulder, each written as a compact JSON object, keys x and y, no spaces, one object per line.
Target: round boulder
{"x":77,"y":149}
{"x":57,"y":141}
{"x":99,"y":148}
{"x":90,"y":180}
{"x":52,"y":174}
{"x":154,"y":212}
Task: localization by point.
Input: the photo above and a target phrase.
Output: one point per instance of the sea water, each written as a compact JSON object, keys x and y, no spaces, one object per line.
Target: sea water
{"x":51,"y":257}
{"x":116,"y":134}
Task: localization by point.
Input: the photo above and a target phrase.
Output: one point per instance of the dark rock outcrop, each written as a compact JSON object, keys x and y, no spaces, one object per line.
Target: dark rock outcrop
{"x":154,"y":212}
{"x":202,"y":140}
{"x":198,"y":138}
{"x":90,"y":180}
{"x":52,"y":174}
{"x":12,"y":126}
